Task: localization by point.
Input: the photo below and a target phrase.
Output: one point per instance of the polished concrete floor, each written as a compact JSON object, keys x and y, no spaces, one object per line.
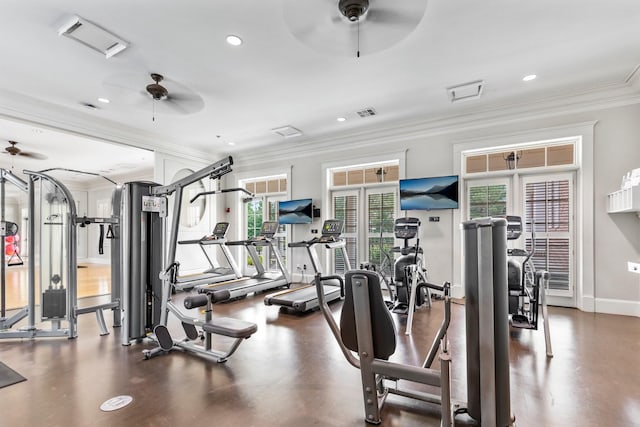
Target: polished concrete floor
{"x":292,"y":373}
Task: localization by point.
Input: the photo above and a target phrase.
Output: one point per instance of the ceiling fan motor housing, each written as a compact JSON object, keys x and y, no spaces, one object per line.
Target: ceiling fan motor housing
{"x":353,"y":9}
{"x":156,"y":90}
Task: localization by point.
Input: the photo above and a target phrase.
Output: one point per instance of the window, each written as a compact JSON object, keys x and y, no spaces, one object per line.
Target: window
{"x":362,"y":194}
{"x":547,"y":205}
{"x":268,"y":191}
{"x":345,"y":207}
{"x":486,"y":199}
{"x":544,"y":201}
{"x":381,"y":212}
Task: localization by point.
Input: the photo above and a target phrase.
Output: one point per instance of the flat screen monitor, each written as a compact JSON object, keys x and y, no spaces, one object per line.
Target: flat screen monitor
{"x":438,"y":192}
{"x":295,"y":211}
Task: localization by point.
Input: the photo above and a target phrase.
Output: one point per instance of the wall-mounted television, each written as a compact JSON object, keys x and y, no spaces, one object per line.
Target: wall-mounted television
{"x":438,"y":192}
{"x":295,"y":211}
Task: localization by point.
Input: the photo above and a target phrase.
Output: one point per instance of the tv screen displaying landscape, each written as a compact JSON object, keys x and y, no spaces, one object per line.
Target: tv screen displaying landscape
{"x":295,"y":211}
{"x":440,"y":192}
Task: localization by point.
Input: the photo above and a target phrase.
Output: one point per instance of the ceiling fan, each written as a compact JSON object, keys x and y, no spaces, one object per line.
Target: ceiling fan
{"x":345,"y":27}
{"x":169,"y":97}
{"x":15,"y":151}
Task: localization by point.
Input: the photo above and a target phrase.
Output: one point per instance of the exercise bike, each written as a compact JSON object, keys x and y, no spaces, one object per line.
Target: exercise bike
{"x":526,"y":286}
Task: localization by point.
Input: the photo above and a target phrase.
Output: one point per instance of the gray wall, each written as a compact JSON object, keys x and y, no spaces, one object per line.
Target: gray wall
{"x":616,"y":151}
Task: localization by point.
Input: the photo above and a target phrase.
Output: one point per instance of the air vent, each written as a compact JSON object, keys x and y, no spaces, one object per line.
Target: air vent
{"x":366,"y":112}
{"x":287,"y":131}
{"x":465,"y":91}
{"x":93,"y":36}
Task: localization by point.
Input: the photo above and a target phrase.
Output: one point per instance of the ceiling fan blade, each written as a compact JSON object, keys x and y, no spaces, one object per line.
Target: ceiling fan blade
{"x":36,"y":156}
{"x":393,"y":17}
{"x":188,"y":102}
{"x":321,"y":26}
{"x":130,"y":89}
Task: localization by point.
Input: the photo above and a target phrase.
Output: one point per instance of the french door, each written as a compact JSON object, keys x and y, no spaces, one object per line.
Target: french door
{"x":546,"y":205}
{"x":368,"y":215}
{"x":547,"y":202}
{"x":258,"y":210}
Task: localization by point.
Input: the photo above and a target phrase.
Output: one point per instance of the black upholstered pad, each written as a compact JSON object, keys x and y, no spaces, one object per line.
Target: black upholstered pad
{"x":230,"y":327}
{"x":382,"y":325}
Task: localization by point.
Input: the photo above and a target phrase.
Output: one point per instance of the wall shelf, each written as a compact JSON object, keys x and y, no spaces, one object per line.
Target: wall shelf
{"x":627,"y":200}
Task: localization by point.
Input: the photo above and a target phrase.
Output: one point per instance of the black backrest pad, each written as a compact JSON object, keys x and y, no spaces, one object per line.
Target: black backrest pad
{"x":383,"y":328}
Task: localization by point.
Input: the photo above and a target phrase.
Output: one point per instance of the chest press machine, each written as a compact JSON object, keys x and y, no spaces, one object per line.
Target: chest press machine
{"x":148,"y":282}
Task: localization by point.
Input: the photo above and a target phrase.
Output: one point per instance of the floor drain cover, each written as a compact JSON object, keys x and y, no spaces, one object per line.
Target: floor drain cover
{"x":116,"y":403}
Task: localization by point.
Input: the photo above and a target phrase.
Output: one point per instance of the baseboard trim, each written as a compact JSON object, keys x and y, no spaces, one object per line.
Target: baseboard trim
{"x":617,"y":306}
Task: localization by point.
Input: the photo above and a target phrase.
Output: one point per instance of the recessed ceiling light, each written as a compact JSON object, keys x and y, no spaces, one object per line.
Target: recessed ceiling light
{"x":234,"y":40}
{"x":104,"y":100}
{"x":341,"y":119}
{"x":231,"y":143}
{"x":529,"y":78}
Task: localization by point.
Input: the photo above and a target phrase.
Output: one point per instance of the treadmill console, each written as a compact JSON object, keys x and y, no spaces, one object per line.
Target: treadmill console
{"x":218,"y":233}
{"x":220,"y":230}
{"x":268,"y":230}
{"x":331,"y":230}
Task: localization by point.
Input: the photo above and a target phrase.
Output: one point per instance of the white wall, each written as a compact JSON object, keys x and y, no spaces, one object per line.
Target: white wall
{"x":616,"y":238}
{"x":190,"y":257}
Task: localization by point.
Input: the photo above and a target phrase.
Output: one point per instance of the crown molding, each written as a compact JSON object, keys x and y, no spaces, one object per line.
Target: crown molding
{"x":606,"y":97}
{"x":42,"y":114}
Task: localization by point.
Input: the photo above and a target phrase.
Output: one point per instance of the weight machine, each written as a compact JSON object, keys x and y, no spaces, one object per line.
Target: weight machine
{"x":148,"y":277}
{"x":54,"y":219}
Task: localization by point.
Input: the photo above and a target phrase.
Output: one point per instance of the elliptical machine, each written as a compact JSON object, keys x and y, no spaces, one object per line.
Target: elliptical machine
{"x":407,"y":229}
{"x":525,"y":283}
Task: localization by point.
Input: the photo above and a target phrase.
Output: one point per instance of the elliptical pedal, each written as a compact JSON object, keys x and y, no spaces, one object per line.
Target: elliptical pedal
{"x":520,"y":321}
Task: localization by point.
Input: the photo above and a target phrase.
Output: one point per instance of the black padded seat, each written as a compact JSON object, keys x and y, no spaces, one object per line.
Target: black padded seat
{"x":382,"y":325}
{"x":229,"y":327}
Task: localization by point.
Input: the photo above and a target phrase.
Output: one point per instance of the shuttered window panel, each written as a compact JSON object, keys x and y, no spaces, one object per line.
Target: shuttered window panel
{"x":547,"y":207}
{"x":345,"y":207}
{"x":487,"y":200}
{"x":381,"y":214}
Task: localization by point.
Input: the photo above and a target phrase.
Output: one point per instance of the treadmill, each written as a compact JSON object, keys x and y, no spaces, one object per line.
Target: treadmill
{"x":262,"y":280}
{"x":213,"y":274}
{"x":305,"y":298}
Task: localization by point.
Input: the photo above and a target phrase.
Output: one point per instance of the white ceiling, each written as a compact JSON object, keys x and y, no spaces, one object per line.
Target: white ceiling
{"x":297,"y":67}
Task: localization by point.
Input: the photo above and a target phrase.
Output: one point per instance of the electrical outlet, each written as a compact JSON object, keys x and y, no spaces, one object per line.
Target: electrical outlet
{"x":634,"y":267}
{"x":304,"y":267}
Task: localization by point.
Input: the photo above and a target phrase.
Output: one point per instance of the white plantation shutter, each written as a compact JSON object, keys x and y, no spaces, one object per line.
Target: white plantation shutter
{"x":381,"y":212}
{"x":345,"y":207}
{"x":548,"y":207}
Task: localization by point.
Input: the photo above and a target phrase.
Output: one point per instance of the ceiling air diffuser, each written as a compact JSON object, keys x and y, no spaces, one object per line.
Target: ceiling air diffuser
{"x":93,"y":36}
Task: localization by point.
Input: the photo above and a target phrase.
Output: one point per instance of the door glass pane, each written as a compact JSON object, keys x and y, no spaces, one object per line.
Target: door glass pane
{"x":381,"y":209}
{"x":345,"y":207}
{"x":547,"y":207}
{"x":487,"y":200}
{"x":254,"y":223}
{"x":280,"y":243}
